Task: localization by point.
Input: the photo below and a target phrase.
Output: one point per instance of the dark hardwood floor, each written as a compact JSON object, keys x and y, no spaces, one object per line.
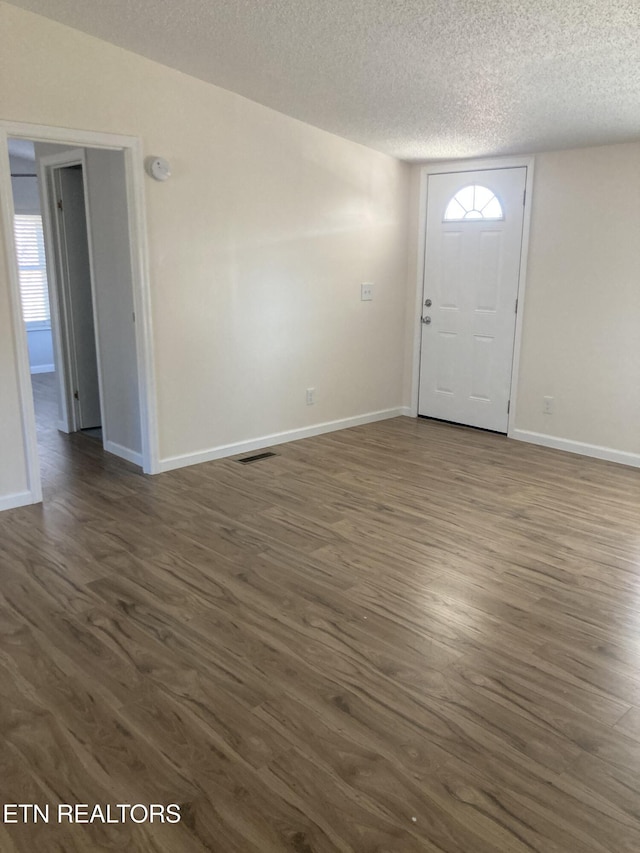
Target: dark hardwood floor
{"x":400,"y":637}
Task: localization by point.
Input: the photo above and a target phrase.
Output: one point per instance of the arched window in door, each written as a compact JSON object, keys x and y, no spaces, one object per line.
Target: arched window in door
{"x":473,"y":202}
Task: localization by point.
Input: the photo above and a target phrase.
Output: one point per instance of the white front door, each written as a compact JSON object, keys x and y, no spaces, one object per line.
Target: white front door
{"x":472,"y":267}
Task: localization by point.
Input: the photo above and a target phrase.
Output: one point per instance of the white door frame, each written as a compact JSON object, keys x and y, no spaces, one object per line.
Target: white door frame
{"x":134,"y":174}
{"x":59,"y":298}
{"x":471,"y":166}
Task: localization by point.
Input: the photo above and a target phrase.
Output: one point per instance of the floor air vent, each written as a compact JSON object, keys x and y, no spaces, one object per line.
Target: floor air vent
{"x":257,"y":457}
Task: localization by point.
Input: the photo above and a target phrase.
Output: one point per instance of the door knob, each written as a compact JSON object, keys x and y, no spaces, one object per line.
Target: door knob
{"x":426,"y":320}
{"x":428,"y":303}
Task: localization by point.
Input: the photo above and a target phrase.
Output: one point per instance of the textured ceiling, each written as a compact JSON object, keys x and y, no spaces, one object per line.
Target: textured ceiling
{"x":419,"y":79}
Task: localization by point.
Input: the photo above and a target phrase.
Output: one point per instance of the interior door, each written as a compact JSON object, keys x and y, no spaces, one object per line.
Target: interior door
{"x":76,"y":275}
{"x":472,"y":266}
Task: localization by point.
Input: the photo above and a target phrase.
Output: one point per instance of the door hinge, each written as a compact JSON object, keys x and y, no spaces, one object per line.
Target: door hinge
{"x":516,"y":311}
{"x":134,"y":316}
{"x":508,"y":406}
{"x":59,"y":204}
{"x":524,"y":196}
{"x":76,"y":395}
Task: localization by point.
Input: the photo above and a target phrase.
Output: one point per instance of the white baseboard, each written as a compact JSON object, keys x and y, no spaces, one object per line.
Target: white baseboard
{"x":16,"y":500}
{"x":277,"y":438}
{"x":43,"y":368}
{"x":123,"y":452}
{"x":595,"y":450}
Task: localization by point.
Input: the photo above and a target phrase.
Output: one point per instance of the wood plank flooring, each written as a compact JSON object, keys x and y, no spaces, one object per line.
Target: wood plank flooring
{"x":403,"y":637}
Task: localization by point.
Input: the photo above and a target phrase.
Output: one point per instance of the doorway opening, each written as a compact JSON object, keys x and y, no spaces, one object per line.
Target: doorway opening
{"x":62,"y":343}
{"x":81,"y":302}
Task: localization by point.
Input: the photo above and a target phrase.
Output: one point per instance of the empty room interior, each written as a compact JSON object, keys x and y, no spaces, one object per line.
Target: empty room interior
{"x":319,"y":426}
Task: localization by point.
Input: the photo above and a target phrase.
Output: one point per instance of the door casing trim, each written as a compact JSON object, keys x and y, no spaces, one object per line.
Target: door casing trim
{"x":59,"y":287}
{"x":472,"y":166}
{"x":134,"y":174}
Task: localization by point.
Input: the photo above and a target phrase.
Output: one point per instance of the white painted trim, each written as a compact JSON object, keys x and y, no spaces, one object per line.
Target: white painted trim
{"x":43,"y":368}
{"x":473,"y":166}
{"x":123,"y":452}
{"x":94,"y":301}
{"x":522,"y":286}
{"x":59,"y":291}
{"x":66,"y":136}
{"x":597,"y":451}
{"x":134,"y":172}
{"x":49,"y":227}
{"x":134,"y":176}
{"x":277,"y":438}
{"x":18,"y":499}
{"x":514,"y":162}
{"x":68,"y":157}
{"x":20,"y":347}
{"x":419,"y":290}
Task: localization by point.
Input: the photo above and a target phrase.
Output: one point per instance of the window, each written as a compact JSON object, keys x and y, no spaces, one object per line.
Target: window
{"x":32,"y":268}
{"x":473,"y":202}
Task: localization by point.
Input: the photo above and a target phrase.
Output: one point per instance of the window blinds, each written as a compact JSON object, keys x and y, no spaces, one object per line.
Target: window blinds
{"x":32,"y":268}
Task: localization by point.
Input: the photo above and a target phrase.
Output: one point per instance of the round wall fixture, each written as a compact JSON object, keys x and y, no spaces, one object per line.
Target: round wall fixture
{"x":158,"y":168}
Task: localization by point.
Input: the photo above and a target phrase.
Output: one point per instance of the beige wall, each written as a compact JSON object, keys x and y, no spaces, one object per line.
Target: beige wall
{"x":113,"y":295}
{"x":581,"y":336}
{"x":260,"y":240}
{"x":258,"y":245}
{"x":581,"y":315}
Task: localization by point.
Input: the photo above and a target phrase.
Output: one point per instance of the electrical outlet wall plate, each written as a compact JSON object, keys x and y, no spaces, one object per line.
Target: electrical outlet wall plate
{"x":366,"y":291}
